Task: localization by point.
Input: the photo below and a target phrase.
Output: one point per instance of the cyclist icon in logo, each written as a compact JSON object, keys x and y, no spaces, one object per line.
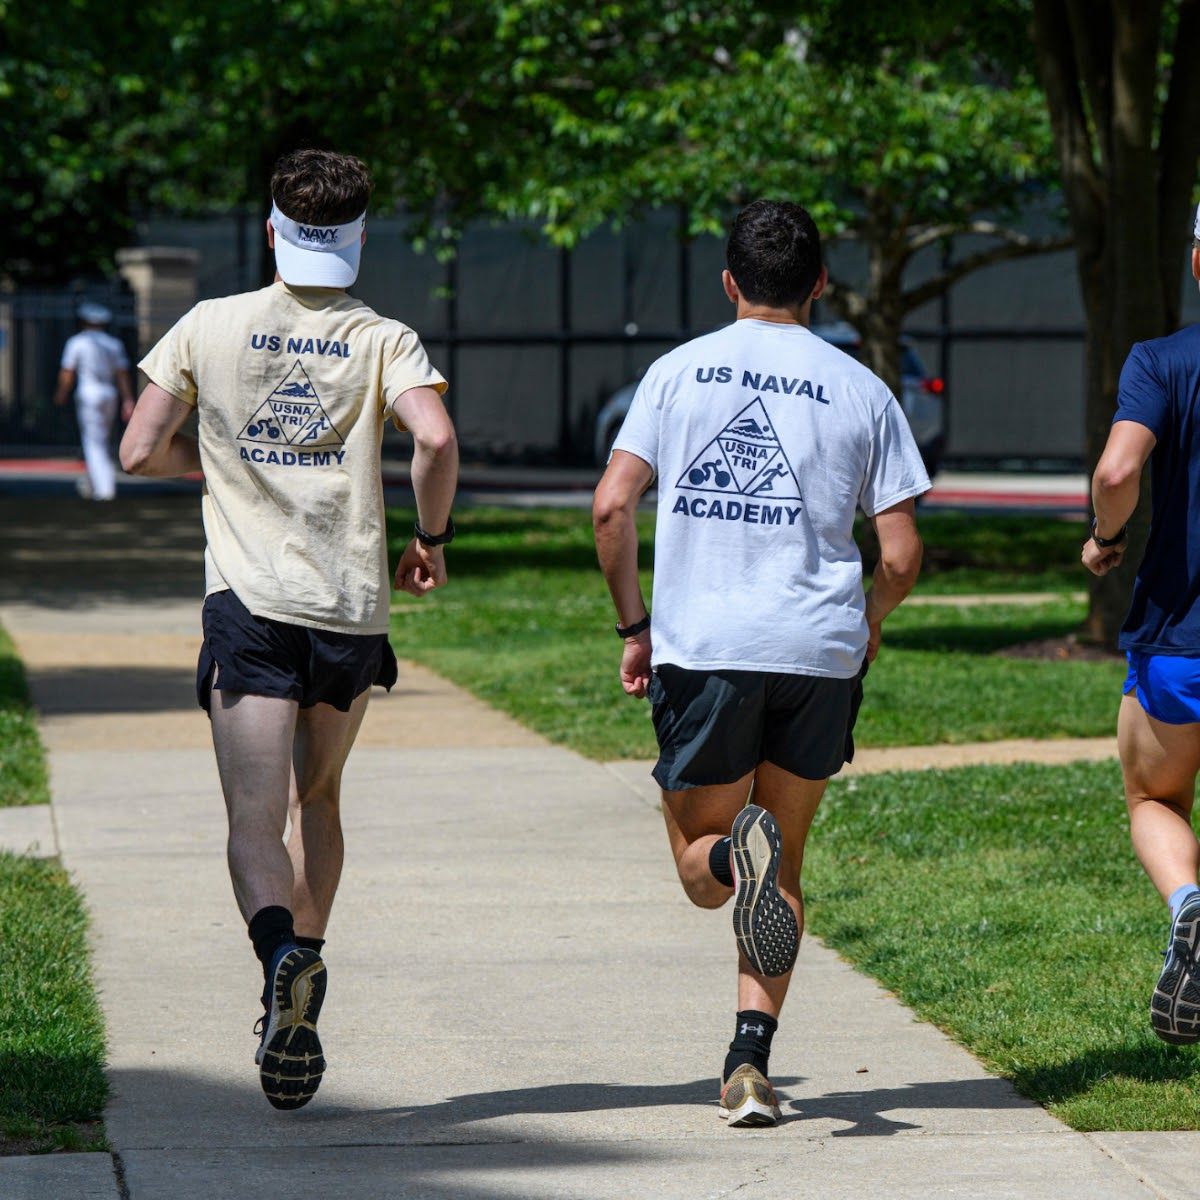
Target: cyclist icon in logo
{"x":263,"y":429}
{"x":710,"y":470}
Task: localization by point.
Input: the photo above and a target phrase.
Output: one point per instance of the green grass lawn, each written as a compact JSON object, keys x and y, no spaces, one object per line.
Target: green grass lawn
{"x":526,"y":624}
{"x":22,"y":767}
{"x":52,"y":1086}
{"x":1005,"y":905}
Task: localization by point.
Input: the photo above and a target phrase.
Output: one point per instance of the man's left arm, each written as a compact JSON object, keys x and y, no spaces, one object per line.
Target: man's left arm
{"x":152,"y":444}
{"x":614,"y":519}
{"x":1116,"y":485}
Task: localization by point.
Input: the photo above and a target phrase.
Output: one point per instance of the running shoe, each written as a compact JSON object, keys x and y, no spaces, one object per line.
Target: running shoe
{"x":1175,"y":1004}
{"x":763,"y":921}
{"x":748,"y":1098}
{"x":289,"y":1057}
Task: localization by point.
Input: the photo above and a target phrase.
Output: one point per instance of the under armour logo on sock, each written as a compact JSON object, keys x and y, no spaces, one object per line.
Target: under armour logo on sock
{"x":748,"y":1028}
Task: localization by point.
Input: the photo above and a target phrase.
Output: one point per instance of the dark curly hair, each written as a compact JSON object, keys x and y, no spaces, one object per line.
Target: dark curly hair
{"x":774,"y":253}
{"x":319,"y":187}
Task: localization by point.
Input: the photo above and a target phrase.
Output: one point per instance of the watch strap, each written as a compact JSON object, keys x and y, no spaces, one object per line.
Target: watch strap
{"x":628,"y":631}
{"x":1107,"y":543}
{"x":434,"y":539}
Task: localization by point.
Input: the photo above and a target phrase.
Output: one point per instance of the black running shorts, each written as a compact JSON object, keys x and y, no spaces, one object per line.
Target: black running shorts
{"x":716,"y":726}
{"x":257,"y":656}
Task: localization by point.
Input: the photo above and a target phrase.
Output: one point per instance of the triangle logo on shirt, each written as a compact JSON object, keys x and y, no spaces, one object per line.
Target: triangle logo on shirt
{"x":292,"y":415}
{"x":745,"y":459}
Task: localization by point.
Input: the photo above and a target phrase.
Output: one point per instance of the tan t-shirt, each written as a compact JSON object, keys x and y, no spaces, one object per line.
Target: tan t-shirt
{"x":293,"y":386}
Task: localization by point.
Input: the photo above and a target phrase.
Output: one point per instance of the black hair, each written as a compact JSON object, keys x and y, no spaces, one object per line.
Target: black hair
{"x":774,"y":253}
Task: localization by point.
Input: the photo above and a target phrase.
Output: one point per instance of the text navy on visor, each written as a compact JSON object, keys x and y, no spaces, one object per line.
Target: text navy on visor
{"x":309,"y":255}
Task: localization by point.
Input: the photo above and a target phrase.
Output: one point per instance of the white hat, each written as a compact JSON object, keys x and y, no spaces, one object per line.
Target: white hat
{"x":92,"y":313}
{"x":317,"y":255}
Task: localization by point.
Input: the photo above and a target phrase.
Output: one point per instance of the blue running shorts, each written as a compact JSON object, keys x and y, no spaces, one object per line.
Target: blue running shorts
{"x":1167,"y":686}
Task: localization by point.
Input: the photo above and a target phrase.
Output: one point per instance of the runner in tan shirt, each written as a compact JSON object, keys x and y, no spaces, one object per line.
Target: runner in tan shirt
{"x":293,"y":386}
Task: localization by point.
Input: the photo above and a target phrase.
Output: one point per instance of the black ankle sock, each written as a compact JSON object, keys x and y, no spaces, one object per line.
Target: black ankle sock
{"x":270,"y":928}
{"x":751,"y":1041}
{"x":718,"y":862}
{"x":308,"y":943}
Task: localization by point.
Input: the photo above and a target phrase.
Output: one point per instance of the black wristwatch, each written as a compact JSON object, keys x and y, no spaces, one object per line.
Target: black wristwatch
{"x":435,"y":539}
{"x":628,"y":631}
{"x":1108,"y":543}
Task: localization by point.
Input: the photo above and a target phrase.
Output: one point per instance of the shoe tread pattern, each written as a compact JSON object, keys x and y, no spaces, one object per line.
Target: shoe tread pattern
{"x":763,"y":921}
{"x":1175,"y":1003}
{"x":292,"y":1062}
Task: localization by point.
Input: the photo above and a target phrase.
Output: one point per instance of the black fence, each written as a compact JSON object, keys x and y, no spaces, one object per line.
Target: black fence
{"x":34,"y":327}
{"x":535,"y":339}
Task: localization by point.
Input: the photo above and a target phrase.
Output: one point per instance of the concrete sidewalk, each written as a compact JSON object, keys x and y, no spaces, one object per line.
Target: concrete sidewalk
{"x":522,"y":1004}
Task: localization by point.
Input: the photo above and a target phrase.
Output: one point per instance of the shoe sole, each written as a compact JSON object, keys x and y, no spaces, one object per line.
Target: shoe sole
{"x":750,"y":1113}
{"x":1175,"y":1003}
{"x":291,"y":1062}
{"x":763,"y":921}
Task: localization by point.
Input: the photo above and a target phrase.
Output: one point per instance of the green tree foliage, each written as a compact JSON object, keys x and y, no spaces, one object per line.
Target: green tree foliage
{"x":900,"y":155}
{"x":186,"y":104}
{"x":71,"y":99}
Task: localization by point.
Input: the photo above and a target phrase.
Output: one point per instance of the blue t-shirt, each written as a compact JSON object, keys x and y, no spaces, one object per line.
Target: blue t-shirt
{"x":1160,"y":389}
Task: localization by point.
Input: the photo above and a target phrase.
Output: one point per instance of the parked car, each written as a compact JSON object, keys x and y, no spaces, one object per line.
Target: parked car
{"x":922,"y":397}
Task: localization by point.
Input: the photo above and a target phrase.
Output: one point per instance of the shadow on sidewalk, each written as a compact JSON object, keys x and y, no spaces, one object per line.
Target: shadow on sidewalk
{"x":77,"y":691}
{"x":864,"y":1111}
{"x":68,"y":554}
{"x":211,"y":1104}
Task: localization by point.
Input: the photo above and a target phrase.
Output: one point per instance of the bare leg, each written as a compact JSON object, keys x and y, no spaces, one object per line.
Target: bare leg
{"x":1160,"y":763}
{"x":792,"y":801}
{"x":323,"y":740}
{"x":695,"y":819}
{"x":698,"y":817}
{"x":252,"y":736}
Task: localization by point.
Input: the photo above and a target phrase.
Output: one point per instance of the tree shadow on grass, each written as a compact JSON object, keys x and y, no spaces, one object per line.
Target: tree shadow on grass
{"x":978,"y":637}
{"x":1144,"y":1062}
{"x":50,"y":1101}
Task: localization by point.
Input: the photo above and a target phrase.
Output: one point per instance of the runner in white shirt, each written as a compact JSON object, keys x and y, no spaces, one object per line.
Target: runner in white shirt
{"x":95,"y":365}
{"x":765,"y":440}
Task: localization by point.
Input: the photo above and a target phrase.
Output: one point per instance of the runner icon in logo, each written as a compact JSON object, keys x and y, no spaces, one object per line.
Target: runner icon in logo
{"x":292,"y":415}
{"x":744,"y":459}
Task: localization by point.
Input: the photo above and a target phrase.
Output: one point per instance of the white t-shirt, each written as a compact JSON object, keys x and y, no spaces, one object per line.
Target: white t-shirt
{"x":765,"y":440}
{"x":95,"y":357}
{"x":294,"y":387}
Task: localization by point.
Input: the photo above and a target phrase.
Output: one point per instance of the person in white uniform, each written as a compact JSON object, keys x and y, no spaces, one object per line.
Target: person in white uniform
{"x":96,"y":367}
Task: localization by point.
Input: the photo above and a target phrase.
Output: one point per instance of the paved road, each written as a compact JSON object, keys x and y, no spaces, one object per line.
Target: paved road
{"x":534,"y":487}
{"x":522,"y":1004}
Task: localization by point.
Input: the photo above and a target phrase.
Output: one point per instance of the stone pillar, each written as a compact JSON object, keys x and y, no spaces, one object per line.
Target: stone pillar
{"x":163,"y":281}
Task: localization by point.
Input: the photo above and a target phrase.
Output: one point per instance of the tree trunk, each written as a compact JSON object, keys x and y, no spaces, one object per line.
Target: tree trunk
{"x":880,"y":330}
{"x":882,"y":317}
{"x":1131,"y":312}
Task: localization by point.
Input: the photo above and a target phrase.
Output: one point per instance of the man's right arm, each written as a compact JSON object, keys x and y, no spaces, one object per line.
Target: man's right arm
{"x":896,"y":572}
{"x":614,"y":520}
{"x":152,"y":444}
{"x":66,"y":385}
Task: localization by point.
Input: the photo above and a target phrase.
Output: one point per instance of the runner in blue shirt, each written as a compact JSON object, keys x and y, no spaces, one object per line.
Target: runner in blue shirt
{"x":1158,"y":730}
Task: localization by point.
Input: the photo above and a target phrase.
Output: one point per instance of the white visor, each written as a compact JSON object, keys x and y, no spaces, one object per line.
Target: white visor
{"x":317,"y":255}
